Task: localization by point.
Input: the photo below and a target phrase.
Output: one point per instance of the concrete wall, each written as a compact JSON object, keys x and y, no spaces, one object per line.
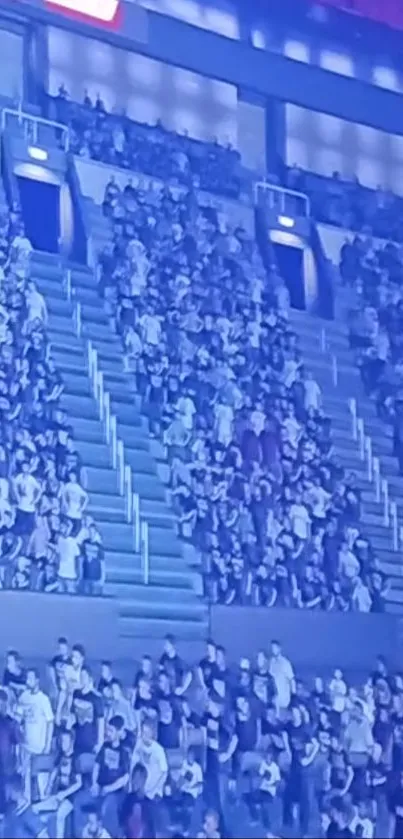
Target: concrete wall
{"x":315,"y":641}
{"x":31,"y":623}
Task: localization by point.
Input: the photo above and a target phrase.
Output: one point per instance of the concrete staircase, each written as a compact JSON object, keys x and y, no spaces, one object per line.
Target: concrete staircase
{"x":336,"y":403}
{"x":170,"y":602}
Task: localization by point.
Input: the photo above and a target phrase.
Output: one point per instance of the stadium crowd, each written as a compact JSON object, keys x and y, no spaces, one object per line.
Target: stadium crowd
{"x":47,"y":542}
{"x":209,"y":751}
{"x":255,"y":482}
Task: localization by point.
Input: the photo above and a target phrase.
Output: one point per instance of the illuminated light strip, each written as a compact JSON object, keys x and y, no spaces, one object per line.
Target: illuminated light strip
{"x":103,"y":11}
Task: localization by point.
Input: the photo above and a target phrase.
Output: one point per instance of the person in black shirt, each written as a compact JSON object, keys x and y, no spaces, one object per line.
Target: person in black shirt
{"x":64,"y":782}
{"x":89,"y":725}
{"x":170,"y":715}
{"x":93,"y":565}
{"x":14,"y":675}
{"x":221,"y":743}
{"x":174,"y":667}
{"x":111,"y":773}
{"x":338,"y":827}
{"x":9,"y":740}
{"x":137,"y":817}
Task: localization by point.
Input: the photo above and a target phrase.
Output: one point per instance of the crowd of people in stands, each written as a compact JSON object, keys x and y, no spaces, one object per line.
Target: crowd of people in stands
{"x":208,"y":751}
{"x":46,"y":538}
{"x":206,"y":332}
{"x":153,"y":150}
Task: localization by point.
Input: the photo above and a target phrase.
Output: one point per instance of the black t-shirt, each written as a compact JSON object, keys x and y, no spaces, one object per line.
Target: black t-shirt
{"x":93,"y":554}
{"x":87,"y":708}
{"x":174,"y":668}
{"x":9,"y":739}
{"x":246,"y":731}
{"x":170,"y":721}
{"x":114,"y":762}
{"x":16,"y":681}
{"x":66,"y":773}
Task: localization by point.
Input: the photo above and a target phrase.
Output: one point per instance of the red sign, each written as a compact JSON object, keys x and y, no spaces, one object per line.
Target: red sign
{"x":102,"y":12}
{"x":389,"y":12}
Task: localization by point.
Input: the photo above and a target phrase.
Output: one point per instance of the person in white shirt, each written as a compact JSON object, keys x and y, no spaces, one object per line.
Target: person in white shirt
{"x":190,"y":783}
{"x":361,"y":824}
{"x":283,"y":674}
{"x":187,"y":410}
{"x":27,"y":491}
{"x":36,"y":304}
{"x":21,"y":249}
{"x":269,"y":781}
{"x":224,"y":419}
{"x":150,"y":328}
{"x":292,"y":429}
{"x":361,"y":598}
{"x":38,"y":725}
{"x":74,"y":500}
{"x":152,"y":756}
{"x":313,"y":393}
{"x":69,"y":552}
{"x":300,"y":519}
{"x":94,"y":828}
{"x":348,"y":562}
{"x":338,"y":692}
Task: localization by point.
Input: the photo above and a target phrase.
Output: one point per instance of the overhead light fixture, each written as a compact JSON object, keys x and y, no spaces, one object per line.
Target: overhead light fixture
{"x":37,"y":154}
{"x":286,"y":221}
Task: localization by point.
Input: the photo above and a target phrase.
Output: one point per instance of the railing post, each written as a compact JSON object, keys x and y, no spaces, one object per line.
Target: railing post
{"x":395,"y":526}
{"x":100,"y":393}
{"x":136,"y":522}
{"x":77,"y":319}
{"x":335,"y":372}
{"x":129,"y":493}
{"x":386,"y":506}
{"x":107,"y":416}
{"x":114,"y":441}
{"x":361,"y":438}
{"x":121,"y":466}
{"x":145,"y":557}
{"x":377,"y":479}
{"x":352,"y":404}
{"x":323,"y":342}
{"x":368,"y":449}
{"x":68,"y":284}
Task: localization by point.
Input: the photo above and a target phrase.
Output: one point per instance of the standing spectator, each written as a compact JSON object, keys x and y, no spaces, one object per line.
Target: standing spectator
{"x":283,"y":674}
{"x":110,"y":775}
{"x":38,"y":721}
{"x":151,"y":755}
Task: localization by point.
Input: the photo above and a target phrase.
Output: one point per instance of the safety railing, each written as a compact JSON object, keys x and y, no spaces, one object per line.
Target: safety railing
{"x":67,"y":284}
{"x":286,"y":202}
{"x":145,"y":553}
{"x":35,"y":129}
{"x":77,"y":320}
{"x":125,"y":477}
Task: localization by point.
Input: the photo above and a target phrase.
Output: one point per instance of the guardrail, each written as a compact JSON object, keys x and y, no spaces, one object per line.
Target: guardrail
{"x":286,"y":202}
{"x":109,"y":421}
{"x":31,"y":126}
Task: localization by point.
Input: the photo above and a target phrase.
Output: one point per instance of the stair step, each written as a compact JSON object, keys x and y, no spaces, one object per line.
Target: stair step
{"x":151,"y":595}
{"x":158,"y":577}
{"x":169,"y":610}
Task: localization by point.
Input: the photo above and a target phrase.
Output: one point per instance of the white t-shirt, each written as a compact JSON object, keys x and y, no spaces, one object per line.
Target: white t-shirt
{"x":270,"y":777}
{"x":281,"y":670}
{"x":361,"y":598}
{"x":28,"y":491}
{"x":313,"y":394}
{"x":153,"y":758}
{"x":151,"y":329}
{"x":319,"y":499}
{"x":257,"y":421}
{"x":36,"y":306}
{"x":37,"y":715}
{"x":74,"y":499}
{"x":349,"y":564}
{"x":192,"y":779}
{"x":293,"y":429}
{"x":300,"y":521}
{"x":68,"y":553}
{"x":186,"y":407}
{"x":367,"y":828}
{"x":338,"y":694}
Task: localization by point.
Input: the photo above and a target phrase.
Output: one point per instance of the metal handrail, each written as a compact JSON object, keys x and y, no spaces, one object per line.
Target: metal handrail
{"x":267,"y":187}
{"x":323,"y":339}
{"x":361,"y":437}
{"x":386,"y":505}
{"x":368,"y":452}
{"x":77,"y":319}
{"x":107,"y":416}
{"x":121,"y":466}
{"x":100,"y":393}
{"x":68,"y":284}
{"x":35,"y":122}
{"x":377,"y":478}
{"x":114,"y":441}
{"x":128,"y":492}
{"x":352,"y":404}
{"x":145,"y":553}
{"x":136,"y":522}
{"x":395,"y":525}
{"x":335,"y":371}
